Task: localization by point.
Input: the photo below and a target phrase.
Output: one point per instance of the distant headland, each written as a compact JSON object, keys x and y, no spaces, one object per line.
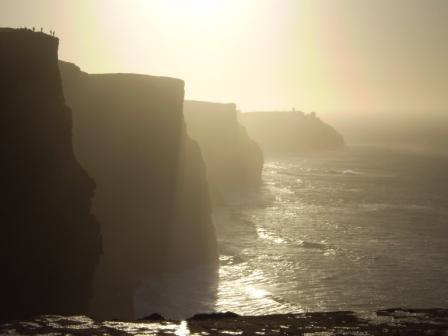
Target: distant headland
{"x":291,"y":132}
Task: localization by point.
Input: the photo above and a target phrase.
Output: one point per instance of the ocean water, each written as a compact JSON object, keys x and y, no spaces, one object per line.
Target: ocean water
{"x":360,"y":229}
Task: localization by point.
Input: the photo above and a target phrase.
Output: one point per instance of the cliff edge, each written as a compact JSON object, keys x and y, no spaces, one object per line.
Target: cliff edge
{"x":50,"y":242}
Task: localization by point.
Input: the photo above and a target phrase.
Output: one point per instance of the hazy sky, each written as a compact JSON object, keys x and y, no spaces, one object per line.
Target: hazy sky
{"x":328,"y":56}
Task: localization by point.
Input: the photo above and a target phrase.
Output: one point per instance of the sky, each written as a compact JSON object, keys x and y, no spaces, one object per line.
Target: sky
{"x":335,"y":57}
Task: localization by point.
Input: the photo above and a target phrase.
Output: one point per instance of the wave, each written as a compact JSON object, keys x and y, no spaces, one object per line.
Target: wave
{"x":373,"y":207}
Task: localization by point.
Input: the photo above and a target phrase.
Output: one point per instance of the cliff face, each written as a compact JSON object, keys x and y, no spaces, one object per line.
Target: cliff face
{"x":49,"y":242}
{"x":152,"y":197}
{"x":234,"y":162}
{"x":290,"y":133}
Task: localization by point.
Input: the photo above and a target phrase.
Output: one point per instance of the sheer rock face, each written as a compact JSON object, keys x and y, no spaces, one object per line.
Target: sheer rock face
{"x":152,"y":197}
{"x":290,"y":133}
{"x":50,"y":242}
{"x":233,"y":160}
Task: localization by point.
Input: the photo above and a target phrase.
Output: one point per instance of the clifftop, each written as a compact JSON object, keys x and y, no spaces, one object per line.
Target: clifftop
{"x":24,"y":31}
{"x":132,"y":88}
{"x":213,"y":110}
{"x":37,"y":54}
{"x":157,"y":81}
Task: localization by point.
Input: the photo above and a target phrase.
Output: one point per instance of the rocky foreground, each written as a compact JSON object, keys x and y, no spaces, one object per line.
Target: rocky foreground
{"x":384,"y":322}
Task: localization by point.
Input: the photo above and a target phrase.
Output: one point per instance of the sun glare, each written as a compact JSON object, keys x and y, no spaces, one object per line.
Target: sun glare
{"x":197,"y":9}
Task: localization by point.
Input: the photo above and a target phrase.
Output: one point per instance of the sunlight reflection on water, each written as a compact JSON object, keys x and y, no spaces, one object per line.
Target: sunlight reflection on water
{"x":182,"y":330}
{"x":348,"y":232}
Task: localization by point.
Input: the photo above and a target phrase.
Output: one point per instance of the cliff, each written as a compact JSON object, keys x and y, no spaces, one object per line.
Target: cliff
{"x":234,"y":162}
{"x":152,"y":196}
{"x":290,"y":133}
{"x":49,"y":242}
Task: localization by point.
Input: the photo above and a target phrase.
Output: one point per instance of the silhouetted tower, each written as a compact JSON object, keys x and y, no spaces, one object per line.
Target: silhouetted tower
{"x":34,"y":29}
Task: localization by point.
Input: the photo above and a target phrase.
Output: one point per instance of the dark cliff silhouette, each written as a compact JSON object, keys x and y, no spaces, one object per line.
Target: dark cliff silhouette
{"x":49,"y":241}
{"x":290,"y":133}
{"x":152,"y":197}
{"x":234,"y":162}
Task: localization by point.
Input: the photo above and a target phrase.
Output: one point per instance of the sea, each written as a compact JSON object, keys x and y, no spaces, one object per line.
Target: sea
{"x":360,"y":229}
